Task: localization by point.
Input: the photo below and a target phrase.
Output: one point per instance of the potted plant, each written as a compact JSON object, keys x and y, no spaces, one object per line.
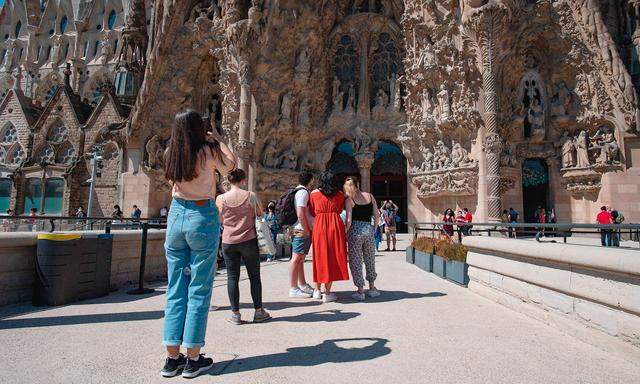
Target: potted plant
{"x":456,"y":267}
{"x":439,"y":264}
{"x":423,"y":251}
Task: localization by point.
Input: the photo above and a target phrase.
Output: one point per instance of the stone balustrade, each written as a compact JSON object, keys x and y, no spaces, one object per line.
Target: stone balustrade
{"x":18,"y":252}
{"x":590,"y":292}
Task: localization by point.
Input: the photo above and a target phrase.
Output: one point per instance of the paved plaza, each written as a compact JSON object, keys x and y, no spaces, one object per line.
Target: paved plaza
{"x":423,"y":329}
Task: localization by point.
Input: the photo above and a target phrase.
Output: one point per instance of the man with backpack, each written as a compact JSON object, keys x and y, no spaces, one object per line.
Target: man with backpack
{"x":292,"y":209}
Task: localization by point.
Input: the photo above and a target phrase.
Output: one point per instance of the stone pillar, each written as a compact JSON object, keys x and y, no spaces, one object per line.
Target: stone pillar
{"x":244,"y":125}
{"x":363,"y":92}
{"x":365,"y":161}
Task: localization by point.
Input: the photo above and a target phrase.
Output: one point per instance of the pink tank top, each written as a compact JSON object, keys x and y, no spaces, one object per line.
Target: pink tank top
{"x":239,"y":223}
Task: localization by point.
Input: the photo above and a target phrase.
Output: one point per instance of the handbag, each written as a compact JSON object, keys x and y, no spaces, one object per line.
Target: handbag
{"x":265,"y":242}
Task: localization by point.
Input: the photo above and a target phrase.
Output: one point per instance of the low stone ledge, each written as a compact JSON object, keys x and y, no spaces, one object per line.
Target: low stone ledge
{"x":580,"y":289}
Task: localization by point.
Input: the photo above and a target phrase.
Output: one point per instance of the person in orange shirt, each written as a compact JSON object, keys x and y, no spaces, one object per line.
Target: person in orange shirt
{"x":604,"y":218}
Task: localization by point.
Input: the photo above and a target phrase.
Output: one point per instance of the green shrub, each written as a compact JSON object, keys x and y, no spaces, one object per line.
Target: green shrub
{"x":452,"y":251}
{"x":424,"y":244}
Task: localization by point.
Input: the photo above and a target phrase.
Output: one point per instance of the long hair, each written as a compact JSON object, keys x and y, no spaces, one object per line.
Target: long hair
{"x":188,"y":139}
{"x":351,"y":186}
{"x":328,"y":183}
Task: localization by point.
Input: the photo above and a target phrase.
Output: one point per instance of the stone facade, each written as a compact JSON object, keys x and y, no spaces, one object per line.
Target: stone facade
{"x":485,"y":104}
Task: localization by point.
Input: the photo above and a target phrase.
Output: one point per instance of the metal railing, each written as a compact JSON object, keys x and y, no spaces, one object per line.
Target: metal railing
{"x":47,"y":223}
{"x":630,"y":232}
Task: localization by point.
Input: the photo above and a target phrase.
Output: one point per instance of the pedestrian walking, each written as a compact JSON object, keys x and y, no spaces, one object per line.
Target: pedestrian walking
{"x":136,"y":213}
{"x":390,"y":218}
{"x":191,"y":243}
{"x":361,"y":210}
{"x":329,"y":238}
{"x":238,"y":212}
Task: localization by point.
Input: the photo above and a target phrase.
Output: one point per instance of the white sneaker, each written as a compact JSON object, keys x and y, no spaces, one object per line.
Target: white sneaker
{"x":317,"y":294}
{"x":297,"y":293}
{"x":306,"y":288}
{"x":358,"y":296}
{"x":373,"y":293}
{"x":329,"y":297}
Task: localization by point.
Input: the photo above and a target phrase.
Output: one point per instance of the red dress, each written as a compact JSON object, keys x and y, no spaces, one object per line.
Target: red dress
{"x":329,"y":239}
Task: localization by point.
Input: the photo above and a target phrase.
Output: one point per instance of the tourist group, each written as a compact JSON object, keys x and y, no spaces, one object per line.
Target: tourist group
{"x":196,"y":154}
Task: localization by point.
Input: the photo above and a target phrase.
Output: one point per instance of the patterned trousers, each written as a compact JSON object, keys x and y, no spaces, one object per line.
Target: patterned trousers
{"x":361,"y":245}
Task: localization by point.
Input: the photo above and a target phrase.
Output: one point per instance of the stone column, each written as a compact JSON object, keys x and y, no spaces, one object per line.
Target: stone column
{"x":244,"y":147}
{"x":365,"y":161}
{"x":363,"y":92}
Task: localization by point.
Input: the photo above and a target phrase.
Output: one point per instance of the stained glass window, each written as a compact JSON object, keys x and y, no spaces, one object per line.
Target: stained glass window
{"x":18,"y":28}
{"x":32,"y":194}
{"x":46,"y":155}
{"x":346,"y":65}
{"x":112,"y":19}
{"x":5,"y":195}
{"x":384,"y":64}
{"x":9,"y":134}
{"x":63,"y":24}
{"x":54,"y":189}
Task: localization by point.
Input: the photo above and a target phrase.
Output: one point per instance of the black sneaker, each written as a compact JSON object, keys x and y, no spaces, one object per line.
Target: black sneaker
{"x":173,"y":366}
{"x":194,"y":368}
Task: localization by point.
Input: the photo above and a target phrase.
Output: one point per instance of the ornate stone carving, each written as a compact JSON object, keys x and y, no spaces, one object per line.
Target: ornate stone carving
{"x":154,"y":149}
{"x":288,"y":160}
{"x":458,"y":182}
{"x":444,"y":104}
{"x":303,"y":65}
{"x":443,"y":158}
{"x":244,"y":149}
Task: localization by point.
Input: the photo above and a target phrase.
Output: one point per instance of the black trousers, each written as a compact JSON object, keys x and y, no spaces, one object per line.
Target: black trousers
{"x":234,"y":254}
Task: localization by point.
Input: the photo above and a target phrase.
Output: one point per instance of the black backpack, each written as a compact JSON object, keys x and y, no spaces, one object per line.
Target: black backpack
{"x":286,"y":207}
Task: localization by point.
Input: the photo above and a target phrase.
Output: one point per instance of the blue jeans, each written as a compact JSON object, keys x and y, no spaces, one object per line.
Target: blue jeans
{"x":191,"y":245}
{"x":605,"y":237}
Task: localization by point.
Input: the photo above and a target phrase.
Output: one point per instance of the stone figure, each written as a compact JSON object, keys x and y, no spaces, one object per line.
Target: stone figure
{"x":351,"y":101}
{"x":582,"y":150}
{"x":337,"y":95}
{"x":427,"y":57}
{"x":362,"y":142}
{"x":304,"y":112}
{"x":381,"y":105}
{"x":444,"y":103}
{"x":288,"y":160}
{"x":155,"y":152}
{"x":509,"y":158}
{"x":605,"y":140}
{"x":393,"y":86}
{"x":536,"y":119}
{"x":441,"y":155}
{"x":285,"y":107}
{"x":303,"y":66}
{"x":427,"y":164}
{"x":459,"y":155}
{"x":270,"y":155}
{"x":568,"y":151}
{"x":396,"y":99}
{"x":426,"y":105}
{"x":561,"y":101}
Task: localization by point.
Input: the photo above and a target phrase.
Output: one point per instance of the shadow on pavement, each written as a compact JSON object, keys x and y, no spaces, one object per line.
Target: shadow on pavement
{"x":277,"y":305}
{"x":80,"y":319}
{"x":328,"y":316}
{"x":387,"y":296}
{"x":327,"y":352}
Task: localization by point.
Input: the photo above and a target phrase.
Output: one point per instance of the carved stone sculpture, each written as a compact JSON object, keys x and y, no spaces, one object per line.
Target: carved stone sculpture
{"x":155,"y":152}
{"x":303,"y":66}
{"x":288,"y":160}
{"x":427,"y":106}
{"x":285,"y":107}
{"x":337,"y":96}
{"x":459,"y":156}
{"x":568,"y":151}
{"x":536,"y":119}
{"x":351,"y":101}
{"x":380,"y":107}
{"x":582,"y":150}
{"x":509,"y":156}
{"x":561,"y":102}
{"x":304,"y":114}
{"x":605,"y":141}
{"x":362,"y":141}
{"x":444,"y":103}
{"x":270,"y":155}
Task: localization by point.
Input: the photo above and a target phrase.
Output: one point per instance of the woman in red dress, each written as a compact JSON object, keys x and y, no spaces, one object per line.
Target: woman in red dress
{"x":329,"y":240}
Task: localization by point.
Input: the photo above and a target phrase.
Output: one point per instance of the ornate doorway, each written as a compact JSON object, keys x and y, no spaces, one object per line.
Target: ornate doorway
{"x":343,"y":163}
{"x":535,"y":187}
{"x":389,"y":179}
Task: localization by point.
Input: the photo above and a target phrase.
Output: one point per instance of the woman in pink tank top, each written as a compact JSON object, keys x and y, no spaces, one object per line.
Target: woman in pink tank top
{"x":238,"y":211}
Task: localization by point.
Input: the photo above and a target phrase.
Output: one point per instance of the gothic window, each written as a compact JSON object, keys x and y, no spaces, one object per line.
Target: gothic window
{"x":66,"y":154}
{"x":9,"y":134}
{"x":63,"y":24}
{"x":96,"y":47}
{"x":85,"y":50}
{"x":53,"y":192}
{"x":346,"y":65}
{"x":3,"y":158}
{"x":385,"y":64}
{"x":110,"y":152}
{"x":18,"y":28}
{"x":48,"y":53}
{"x":5,"y":194}
{"x":45,"y":155}
{"x":16,"y":155}
{"x":112,"y":19}
{"x":32,"y":194}
{"x":58,"y":134}
{"x":532,"y":104}
{"x":66,"y":50}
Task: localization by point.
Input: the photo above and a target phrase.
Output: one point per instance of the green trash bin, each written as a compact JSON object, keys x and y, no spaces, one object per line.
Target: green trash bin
{"x":57,"y":269}
{"x":72,"y":267}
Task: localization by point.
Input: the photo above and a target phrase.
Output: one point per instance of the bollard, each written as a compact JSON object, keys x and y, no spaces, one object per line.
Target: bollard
{"x":141,"y":290}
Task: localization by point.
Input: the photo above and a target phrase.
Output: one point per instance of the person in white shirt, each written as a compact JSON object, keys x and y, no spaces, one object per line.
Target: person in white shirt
{"x":301,"y":242}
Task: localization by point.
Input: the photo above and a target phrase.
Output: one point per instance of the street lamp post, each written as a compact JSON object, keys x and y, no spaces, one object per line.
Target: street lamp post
{"x":95,"y":165}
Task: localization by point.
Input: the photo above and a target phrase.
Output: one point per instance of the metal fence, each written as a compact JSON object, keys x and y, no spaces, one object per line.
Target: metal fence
{"x":72,"y":223}
{"x":541,"y":232}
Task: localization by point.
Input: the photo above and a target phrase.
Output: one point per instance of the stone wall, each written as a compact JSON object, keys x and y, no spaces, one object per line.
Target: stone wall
{"x":591,"y":293}
{"x":18,"y":251}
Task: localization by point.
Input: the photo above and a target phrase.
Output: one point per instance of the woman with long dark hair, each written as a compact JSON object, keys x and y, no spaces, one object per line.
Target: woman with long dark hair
{"x":329,"y":240}
{"x":193,"y":233}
